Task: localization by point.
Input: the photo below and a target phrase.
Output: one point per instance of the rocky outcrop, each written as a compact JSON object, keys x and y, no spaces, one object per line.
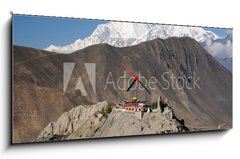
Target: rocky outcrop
{"x":125,"y":124}
{"x":84,"y":119}
{"x":89,"y":122}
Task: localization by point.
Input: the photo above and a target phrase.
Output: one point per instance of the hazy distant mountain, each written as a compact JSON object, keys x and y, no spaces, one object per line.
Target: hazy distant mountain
{"x":227,"y":62}
{"x":221,"y":49}
{"x":38,"y":82}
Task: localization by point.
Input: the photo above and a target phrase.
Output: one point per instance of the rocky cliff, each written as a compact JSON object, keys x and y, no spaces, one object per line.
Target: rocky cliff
{"x":89,"y":122}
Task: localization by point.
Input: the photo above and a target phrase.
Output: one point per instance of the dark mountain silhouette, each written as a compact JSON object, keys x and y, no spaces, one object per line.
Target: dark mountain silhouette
{"x":38,"y":83}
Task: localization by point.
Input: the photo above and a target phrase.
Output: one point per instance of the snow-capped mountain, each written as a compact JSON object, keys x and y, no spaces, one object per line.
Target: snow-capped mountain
{"x":122,"y":34}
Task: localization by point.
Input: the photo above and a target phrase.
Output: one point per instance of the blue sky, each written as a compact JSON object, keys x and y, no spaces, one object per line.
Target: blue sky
{"x":40,"y":32}
{"x":220,"y":32}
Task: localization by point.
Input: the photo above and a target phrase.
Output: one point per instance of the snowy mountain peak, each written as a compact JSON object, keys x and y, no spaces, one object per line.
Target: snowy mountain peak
{"x":122,"y":30}
{"x":121,"y":34}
